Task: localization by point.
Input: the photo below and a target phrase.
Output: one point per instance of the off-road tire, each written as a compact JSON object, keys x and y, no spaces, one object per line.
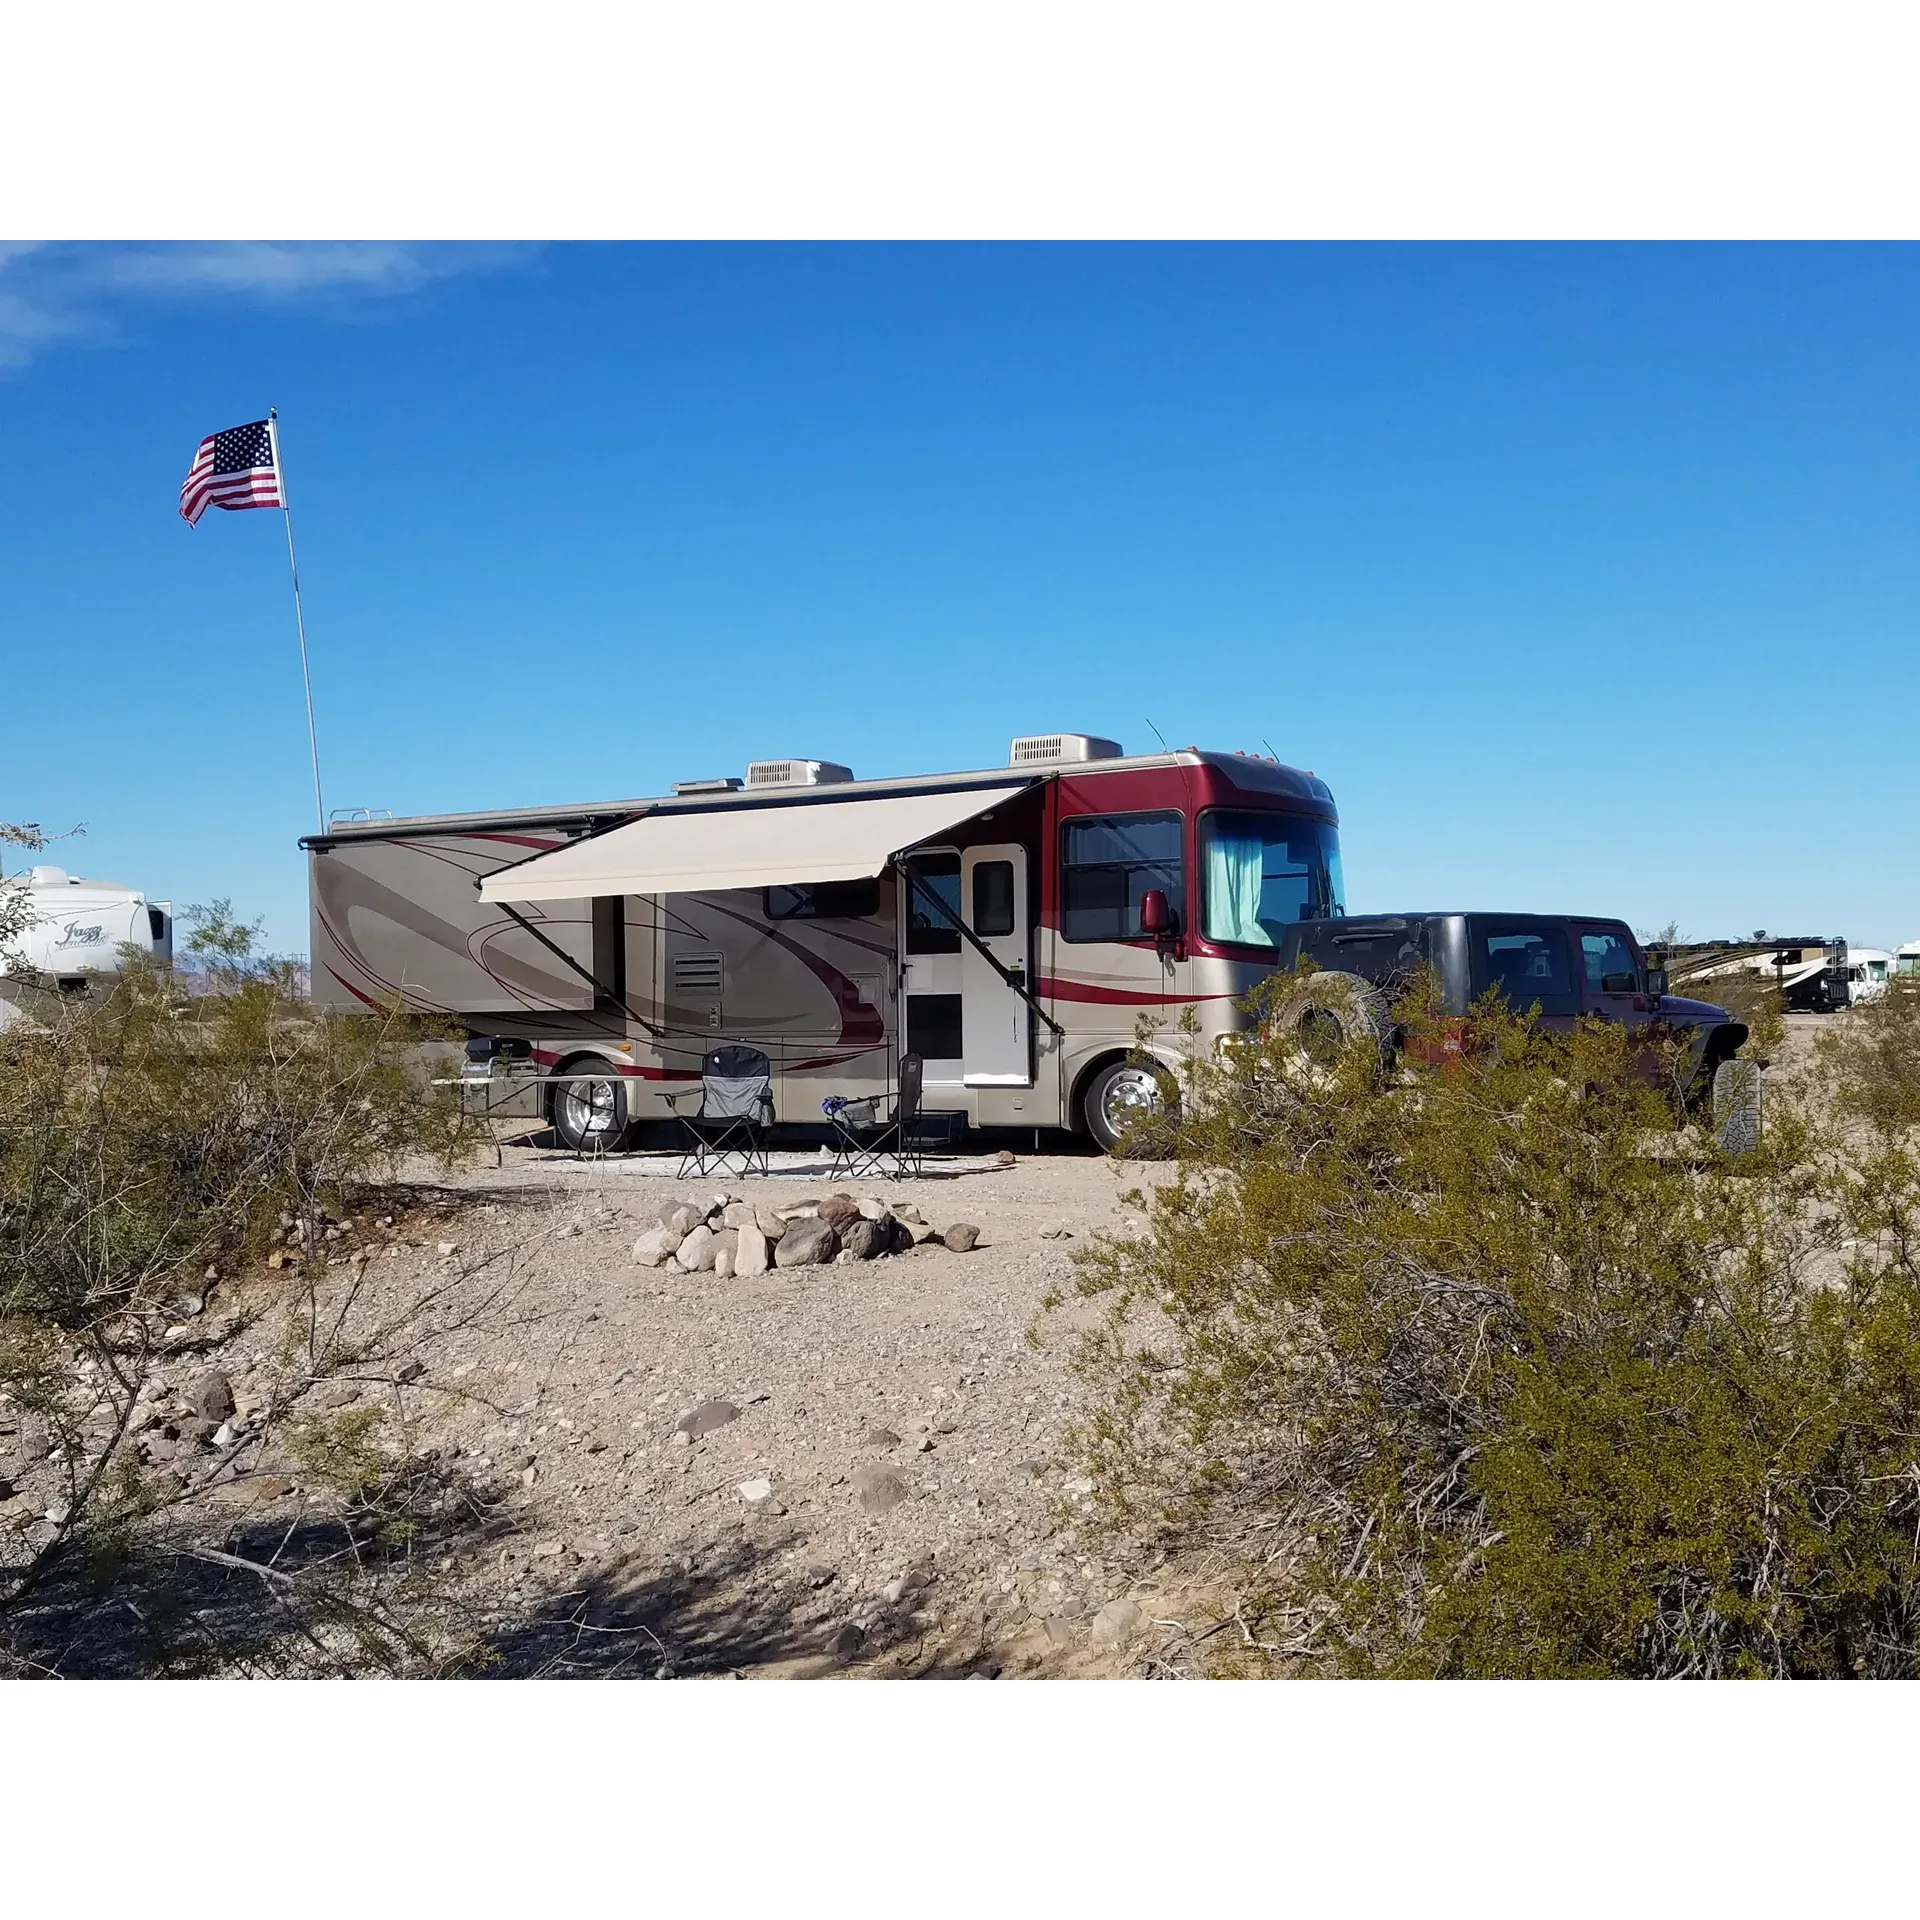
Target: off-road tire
{"x":1129,"y":1108}
{"x":1325,"y":1015}
{"x":1736,"y":1106}
{"x":590,"y":1116}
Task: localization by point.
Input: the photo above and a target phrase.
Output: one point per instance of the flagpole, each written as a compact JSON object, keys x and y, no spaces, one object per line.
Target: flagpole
{"x":299,"y":616}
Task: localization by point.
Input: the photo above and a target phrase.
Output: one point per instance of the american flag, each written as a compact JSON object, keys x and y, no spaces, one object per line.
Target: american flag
{"x":234,"y":470}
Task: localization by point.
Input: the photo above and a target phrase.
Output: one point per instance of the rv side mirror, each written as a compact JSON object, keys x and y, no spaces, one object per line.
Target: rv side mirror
{"x":1156,"y":917}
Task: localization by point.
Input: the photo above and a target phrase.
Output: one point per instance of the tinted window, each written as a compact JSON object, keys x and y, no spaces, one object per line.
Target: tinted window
{"x":993,"y":898}
{"x":1108,"y":864}
{"x":1527,"y":964}
{"x":1607,"y":954}
{"x":928,"y":930}
{"x":828,"y":900}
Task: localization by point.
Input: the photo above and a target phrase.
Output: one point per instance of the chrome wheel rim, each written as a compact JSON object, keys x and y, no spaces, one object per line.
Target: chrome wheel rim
{"x":1132,"y":1095}
{"x":588,"y":1106}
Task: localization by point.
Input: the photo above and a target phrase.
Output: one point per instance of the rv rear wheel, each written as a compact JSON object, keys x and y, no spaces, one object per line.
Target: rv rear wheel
{"x":1128,"y":1107}
{"x":589,"y":1114}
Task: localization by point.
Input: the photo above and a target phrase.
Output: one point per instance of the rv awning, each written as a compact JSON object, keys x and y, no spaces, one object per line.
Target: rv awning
{"x":705,"y":850}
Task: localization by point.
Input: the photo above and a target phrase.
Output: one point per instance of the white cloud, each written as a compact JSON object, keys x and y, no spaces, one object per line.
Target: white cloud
{"x":55,"y":295}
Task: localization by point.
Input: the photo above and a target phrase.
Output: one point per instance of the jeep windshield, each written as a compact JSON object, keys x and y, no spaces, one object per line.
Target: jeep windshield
{"x":1261,"y":872}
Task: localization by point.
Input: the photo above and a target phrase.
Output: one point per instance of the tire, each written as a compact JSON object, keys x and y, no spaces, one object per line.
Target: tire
{"x":590,"y":1116}
{"x":1326,"y":1015}
{"x":1128,"y":1108}
{"x":1736,"y":1106}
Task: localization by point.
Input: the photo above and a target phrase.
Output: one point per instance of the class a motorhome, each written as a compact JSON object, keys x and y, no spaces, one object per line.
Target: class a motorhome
{"x":74,"y":932}
{"x":1010,"y":925}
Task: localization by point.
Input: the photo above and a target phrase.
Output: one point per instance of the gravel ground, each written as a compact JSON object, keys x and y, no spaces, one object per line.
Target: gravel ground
{"x":876,"y":1484}
{"x":767,"y":1545}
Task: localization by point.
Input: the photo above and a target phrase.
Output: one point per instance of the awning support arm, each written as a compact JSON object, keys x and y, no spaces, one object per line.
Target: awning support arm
{"x":916,"y":885}
{"x":567,"y":959}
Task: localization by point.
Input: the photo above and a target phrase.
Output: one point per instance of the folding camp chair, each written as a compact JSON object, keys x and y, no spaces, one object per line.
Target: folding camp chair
{"x":736,"y":1109}
{"x":863,"y":1140}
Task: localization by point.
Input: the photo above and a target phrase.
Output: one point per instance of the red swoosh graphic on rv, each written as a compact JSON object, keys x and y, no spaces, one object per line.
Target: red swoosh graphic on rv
{"x":1057,"y":989}
{"x":861,"y":1025}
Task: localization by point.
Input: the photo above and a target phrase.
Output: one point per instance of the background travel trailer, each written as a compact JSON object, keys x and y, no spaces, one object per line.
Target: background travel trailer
{"x":1010,"y":926}
{"x":75,"y":931}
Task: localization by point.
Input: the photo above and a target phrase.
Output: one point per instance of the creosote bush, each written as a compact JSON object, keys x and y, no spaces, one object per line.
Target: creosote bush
{"x":1502,"y":1369}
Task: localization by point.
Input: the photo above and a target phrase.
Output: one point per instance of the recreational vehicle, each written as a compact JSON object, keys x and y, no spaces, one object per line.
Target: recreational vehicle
{"x":1009,"y":926}
{"x":74,"y":932}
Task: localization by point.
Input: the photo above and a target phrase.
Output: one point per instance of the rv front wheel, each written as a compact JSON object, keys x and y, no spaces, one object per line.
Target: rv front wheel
{"x":1127,"y":1108}
{"x":590,"y":1113}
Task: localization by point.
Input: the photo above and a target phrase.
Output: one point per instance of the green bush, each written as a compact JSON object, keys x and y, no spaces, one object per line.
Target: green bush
{"x":1498,"y":1370}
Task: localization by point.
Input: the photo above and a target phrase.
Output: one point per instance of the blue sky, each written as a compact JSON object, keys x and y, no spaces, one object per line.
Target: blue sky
{"x":1587,"y":576}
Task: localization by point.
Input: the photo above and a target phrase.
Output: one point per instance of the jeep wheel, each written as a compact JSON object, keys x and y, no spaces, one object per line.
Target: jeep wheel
{"x":1324,"y":1016}
{"x":1128,"y":1107}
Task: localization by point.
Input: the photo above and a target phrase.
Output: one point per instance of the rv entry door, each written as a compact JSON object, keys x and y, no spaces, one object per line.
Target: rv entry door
{"x":996,"y":1023}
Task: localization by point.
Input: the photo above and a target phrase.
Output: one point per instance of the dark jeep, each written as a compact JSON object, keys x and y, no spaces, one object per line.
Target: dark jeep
{"x":1564,"y":964}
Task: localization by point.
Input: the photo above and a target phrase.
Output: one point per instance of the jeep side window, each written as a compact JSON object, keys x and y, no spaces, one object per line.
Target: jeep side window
{"x":1528,"y":965}
{"x":1610,"y":963}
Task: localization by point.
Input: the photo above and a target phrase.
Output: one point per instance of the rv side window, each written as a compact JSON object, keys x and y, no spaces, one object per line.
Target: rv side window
{"x":1109,"y":863}
{"x":824,"y":900}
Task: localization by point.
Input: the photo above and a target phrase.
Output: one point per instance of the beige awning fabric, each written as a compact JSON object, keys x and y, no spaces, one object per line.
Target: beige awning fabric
{"x":703,"y":851}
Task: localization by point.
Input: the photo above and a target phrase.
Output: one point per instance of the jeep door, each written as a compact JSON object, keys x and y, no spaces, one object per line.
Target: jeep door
{"x":1612,"y":974}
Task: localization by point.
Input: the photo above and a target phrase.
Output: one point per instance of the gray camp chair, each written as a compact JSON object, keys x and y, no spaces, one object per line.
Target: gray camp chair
{"x":728,"y":1129}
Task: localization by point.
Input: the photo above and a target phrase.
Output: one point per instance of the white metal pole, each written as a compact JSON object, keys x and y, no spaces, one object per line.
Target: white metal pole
{"x":299,"y":616}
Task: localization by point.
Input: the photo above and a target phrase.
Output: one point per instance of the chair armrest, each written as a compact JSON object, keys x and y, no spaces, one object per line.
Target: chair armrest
{"x":684,"y":1093}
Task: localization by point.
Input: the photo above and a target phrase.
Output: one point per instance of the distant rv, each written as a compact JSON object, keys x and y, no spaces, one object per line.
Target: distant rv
{"x":77,"y":931}
{"x":1010,"y":926}
{"x":1868,"y":970}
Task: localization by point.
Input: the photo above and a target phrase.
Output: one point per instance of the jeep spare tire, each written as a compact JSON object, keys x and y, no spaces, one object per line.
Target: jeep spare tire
{"x":1321,"y":1018}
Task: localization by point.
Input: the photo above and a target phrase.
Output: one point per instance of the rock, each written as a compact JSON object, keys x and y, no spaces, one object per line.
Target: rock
{"x":409,"y":1370}
{"x":1004,"y":1158}
{"x":718,"y":1203}
{"x":806,"y":1243}
{"x":1072,"y":1607}
{"x":723,"y":1263}
{"x":41,"y":1534}
{"x":739,"y":1213}
{"x":878,"y":1488}
{"x":871,"y":1209}
{"x":252,"y":1490}
{"x":59,"y":1513}
{"x":196,"y":1429}
{"x":681,"y":1218}
{"x":224,"y":1435}
{"x":755,"y":1253}
{"x":695,"y":1252}
{"x":681,"y":1438}
{"x":708,"y":1417}
{"x":566,"y":1231}
{"x":343,"y":1395}
{"x":1058,"y":1631}
{"x":919,"y":1232}
{"x":142,"y":1417}
{"x":1116,"y":1623}
{"x":157,"y":1449}
{"x":549,"y":1549}
{"x":657,"y":1246}
{"x":837,"y":1209}
{"x":769,"y":1222}
{"x":914,"y":1580}
{"x":210,"y":1396}
{"x":845,"y":1642}
{"x":726,"y":1240}
{"x":1079,"y":1486}
{"x":962,"y":1237}
{"x":754,"y":1491}
{"x":907,"y":1211}
{"x":865,"y":1238}
{"x":446,"y":1249}
{"x":1056,"y":1233}
{"x":924,"y":1444}
{"x":881,"y":1437}
{"x":844,"y":1258}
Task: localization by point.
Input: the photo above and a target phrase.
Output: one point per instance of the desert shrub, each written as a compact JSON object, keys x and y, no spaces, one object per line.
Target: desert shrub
{"x":151,"y":1138}
{"x":1494,"y":1370}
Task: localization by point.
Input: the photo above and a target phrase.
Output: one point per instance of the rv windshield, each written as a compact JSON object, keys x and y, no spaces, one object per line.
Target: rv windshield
{"x":1263,"y":871}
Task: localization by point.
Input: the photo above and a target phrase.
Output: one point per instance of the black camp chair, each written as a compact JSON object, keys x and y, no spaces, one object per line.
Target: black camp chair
{"x":736,"y":1109}
{"x":863,"y":1140}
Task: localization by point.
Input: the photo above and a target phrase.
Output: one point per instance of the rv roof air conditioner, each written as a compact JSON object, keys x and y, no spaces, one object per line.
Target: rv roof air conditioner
{"x":797,"y":773}
{"x":1047,"y":749}
{"x":683,"y":788}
